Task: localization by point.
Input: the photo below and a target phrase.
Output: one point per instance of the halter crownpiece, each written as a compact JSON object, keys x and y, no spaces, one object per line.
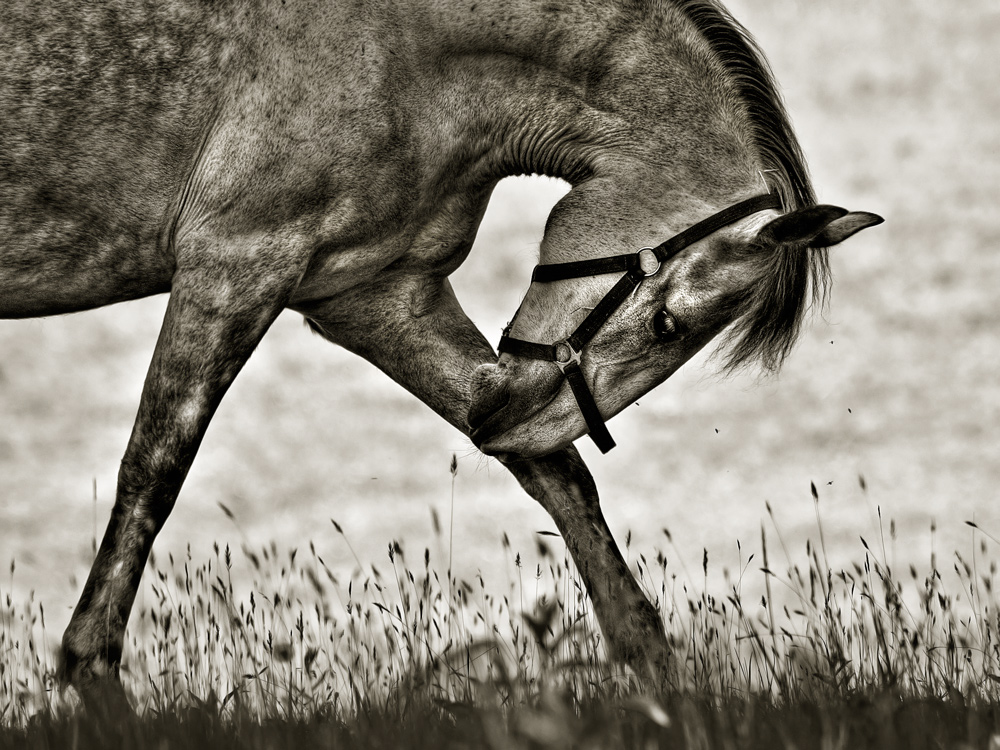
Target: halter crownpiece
{"x":568,"y":353}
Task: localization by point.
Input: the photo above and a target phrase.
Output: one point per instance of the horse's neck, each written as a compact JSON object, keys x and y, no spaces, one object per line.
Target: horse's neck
{"x":545,"y":33}
{"x":574,"y":88}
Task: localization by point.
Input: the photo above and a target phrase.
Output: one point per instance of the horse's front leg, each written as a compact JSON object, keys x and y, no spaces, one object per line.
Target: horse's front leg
{"x":220,"y":305}
{"x":417,"y":332}
{"x":563,"y":485}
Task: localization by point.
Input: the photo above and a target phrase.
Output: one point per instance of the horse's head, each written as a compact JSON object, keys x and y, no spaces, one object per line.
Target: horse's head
{"x":746,"y":269}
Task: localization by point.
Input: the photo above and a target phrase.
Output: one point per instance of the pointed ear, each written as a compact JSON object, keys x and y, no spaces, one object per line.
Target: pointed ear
{"x":846,"y":226}
{"x":798,"y":227}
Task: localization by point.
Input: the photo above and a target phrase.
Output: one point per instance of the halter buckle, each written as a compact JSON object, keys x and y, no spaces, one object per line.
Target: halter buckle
{"x":651,"y":253}
{"x":575,"y":357}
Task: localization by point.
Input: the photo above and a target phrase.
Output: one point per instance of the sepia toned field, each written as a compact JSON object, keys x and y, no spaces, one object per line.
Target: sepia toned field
{"x":896,"y":105}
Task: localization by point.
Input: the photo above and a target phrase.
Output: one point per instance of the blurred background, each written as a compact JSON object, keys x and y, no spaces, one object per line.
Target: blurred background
{"x":896,"y":104}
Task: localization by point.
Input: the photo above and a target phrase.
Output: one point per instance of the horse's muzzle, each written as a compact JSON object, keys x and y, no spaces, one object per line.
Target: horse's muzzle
{"x":507,"y":409}
{"x":488,"y":398}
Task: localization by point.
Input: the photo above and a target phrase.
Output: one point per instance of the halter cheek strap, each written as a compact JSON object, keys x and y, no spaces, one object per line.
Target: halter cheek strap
{"x":568,"y":353}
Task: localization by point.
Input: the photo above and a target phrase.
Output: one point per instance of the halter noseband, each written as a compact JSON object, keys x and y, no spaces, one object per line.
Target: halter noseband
{"x":568,"y":353}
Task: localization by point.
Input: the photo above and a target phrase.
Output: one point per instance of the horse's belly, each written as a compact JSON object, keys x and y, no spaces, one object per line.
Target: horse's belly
{"x":71,"y":245}
{"x":50,"y":279}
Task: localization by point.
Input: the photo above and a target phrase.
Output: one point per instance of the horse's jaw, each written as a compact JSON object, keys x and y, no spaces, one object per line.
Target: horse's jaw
{"x":522,"y":412}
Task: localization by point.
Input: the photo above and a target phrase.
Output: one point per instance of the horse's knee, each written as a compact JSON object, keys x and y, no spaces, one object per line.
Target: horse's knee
{"x":148,"y":484}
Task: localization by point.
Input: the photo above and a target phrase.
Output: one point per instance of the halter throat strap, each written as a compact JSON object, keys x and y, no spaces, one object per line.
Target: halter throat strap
{"x":568,"y":353}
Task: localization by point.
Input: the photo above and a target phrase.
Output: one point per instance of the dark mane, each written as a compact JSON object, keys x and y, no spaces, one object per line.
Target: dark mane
{"x":769,"y":314}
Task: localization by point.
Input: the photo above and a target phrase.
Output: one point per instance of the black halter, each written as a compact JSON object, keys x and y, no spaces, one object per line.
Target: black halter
{"x":568,"y":353}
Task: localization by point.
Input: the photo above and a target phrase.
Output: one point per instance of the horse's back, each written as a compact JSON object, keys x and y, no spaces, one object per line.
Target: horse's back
{"x":104,"y":108}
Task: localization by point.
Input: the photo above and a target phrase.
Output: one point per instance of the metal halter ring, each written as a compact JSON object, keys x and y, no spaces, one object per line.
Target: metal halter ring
{"x":575,"y":357}
{"x":652,"y":252}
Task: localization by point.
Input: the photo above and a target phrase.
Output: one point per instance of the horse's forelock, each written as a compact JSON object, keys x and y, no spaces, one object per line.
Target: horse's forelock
{"x":770,"y":310}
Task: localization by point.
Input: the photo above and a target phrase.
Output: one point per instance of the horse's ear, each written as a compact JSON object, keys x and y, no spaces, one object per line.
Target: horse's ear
{"x":846,"y":226}
{"x":799,"y":227}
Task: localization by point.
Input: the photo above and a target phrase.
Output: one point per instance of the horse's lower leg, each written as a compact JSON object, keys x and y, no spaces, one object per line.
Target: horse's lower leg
{"x":562,"y":484}
{"x":92,"y":643}
{"x":214,"y":320}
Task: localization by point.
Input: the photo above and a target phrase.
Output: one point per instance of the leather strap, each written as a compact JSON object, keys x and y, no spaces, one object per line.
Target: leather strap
{"x":529,"y":349}
{"x":604,"y":310}
{"x":578,"y":268}
{"x":665,"y":250}
{"x":715,"y":222}
{"x":588,"y":407}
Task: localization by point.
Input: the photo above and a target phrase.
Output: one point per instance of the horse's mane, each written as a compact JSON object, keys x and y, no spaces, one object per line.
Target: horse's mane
{"x":770,"y":312}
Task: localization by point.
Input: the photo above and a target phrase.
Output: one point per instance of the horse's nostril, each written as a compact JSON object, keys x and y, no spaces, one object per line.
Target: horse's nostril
{"x":487,"y":401}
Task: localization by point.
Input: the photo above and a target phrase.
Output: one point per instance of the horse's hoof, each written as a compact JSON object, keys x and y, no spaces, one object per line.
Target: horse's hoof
{"x":105,"y":701}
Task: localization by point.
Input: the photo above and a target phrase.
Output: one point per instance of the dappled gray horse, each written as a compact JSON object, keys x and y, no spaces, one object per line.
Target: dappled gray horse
{"x":336,"y":158}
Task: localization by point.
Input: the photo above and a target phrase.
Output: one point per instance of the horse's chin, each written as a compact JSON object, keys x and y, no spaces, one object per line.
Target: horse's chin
{"x":522,"y":442}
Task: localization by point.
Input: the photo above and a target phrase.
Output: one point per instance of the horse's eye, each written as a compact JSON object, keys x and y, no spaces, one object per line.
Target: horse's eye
{"x":665,"y":325}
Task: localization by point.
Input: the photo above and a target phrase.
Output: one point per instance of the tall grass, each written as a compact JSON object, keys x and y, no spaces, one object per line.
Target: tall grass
{"x":399,"y":644}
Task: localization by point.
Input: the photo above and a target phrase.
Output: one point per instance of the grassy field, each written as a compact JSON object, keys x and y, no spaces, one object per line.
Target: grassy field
{"x":841,"y":644}
{"x":402,"y":654}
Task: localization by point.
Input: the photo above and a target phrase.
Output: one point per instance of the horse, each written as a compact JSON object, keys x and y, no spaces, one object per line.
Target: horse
{"x":336,"y":157}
